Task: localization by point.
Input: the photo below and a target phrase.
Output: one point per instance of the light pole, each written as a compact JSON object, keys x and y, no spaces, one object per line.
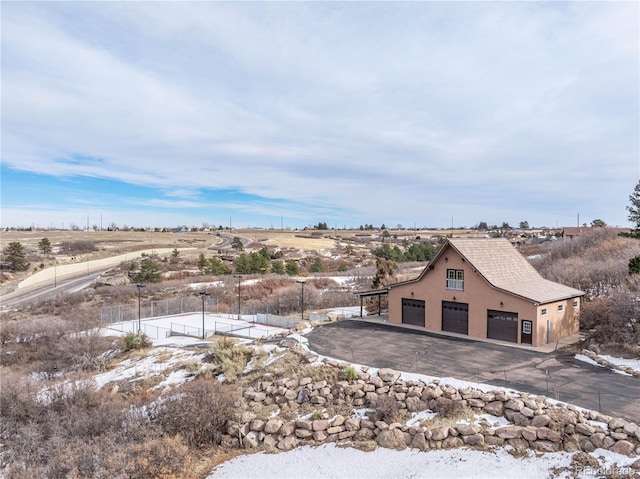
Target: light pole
{"x":301,"y":281}
{"x":239,"y":276}
{"x":139,"y":286}
{"x":203,"y":295}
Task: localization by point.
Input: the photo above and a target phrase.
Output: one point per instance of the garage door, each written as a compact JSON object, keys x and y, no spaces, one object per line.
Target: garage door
{"x":413,"y":312}
{"x":455,"y":317}
{"x":502,"y":325}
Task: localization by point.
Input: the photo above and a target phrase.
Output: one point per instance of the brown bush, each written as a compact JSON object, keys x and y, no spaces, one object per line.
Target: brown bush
{"x":386,"y":409}
{"x":198,"y":412}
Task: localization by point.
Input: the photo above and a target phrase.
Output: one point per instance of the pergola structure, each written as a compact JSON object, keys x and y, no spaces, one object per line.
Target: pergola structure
{"x":367,"y":294}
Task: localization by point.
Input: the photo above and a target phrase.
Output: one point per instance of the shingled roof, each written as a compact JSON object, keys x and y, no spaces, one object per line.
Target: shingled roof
{"x":505,"y":268}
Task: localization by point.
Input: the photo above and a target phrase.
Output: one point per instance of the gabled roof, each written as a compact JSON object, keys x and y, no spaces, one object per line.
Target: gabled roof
{"x":504,"y":268}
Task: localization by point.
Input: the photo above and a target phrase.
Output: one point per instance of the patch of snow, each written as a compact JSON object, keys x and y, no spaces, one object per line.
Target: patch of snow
{"x":275,"y":413}
{"x":495,"y":421}
{"x":628,"y":363}
{"x":332,"y":462}
{"x":588,"y":360}
{"x":610,"y":458}
{"x":418,"y":417}
{"x":362,"y":413}
{"x":603,"y":425}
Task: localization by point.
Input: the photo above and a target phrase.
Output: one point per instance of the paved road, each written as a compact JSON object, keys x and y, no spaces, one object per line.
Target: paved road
{"x":555,"y":375}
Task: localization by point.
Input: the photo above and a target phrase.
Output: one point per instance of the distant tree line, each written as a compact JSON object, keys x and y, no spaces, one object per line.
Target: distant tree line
{"x":415,"y":252}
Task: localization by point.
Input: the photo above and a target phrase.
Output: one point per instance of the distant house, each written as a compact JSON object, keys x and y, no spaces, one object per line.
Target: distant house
{"x":484,"y":288}
{"x":573,"y":231}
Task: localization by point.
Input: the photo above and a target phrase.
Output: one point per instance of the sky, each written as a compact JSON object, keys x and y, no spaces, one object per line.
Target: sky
{"x":287,"y":114}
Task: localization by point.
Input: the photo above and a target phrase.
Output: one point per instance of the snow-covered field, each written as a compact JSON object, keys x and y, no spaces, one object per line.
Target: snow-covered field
{"x":332,"y":462}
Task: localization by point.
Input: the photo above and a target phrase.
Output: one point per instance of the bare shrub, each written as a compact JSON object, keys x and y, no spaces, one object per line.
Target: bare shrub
{"x":198,"y":412}
{"x":596,"y":262}
{"x":232,"y":357}
{"x":448,"y":407}
{"x":77,"y":247}
{"x":386,"y":409}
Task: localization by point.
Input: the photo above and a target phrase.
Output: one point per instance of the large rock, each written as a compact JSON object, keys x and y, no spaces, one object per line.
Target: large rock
{"x":273,"y":426}
{"x":419,"y":441}
{"x":320,"y":425}
{"x":495,"y":408}
{"x":388,"y":375}
{"x":338,"y":420}
{"x":352,"y":424}
{"x":467,"y":429}
{"x":623,"y":447}
{"x":288,"y":443}
{"x":571,"y":444}
{"x":473,"y":440}
{"x":320,"y":436}
{"x":545,"y":446}
{"x":547,"y":434}
{"x":585,"y":429}
{"x":597,"y":438}
{"x":530,"y":433}
{"x":304,"y":433}
{"x":257,"y":425}
{"x":288,"y":428}
{"x":251,"y":440}
{"x":514,"y":404}
{"x":509,"y":432}
{"x":540,"y":421}
{"x":439,"y":433}
{"x":452,"y":442}
{"x":392,"y":439}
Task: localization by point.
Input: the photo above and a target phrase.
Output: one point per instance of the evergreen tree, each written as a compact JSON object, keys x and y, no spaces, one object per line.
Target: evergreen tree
{"x":634,"y":210}
{"x":14,"y":257}
{"x":292,"y":268}
{"x":202,"y":262}
{"x":44,"y":245}
{"x":150,"y":272}
{"x":316,"y":265}
{"x":385,"y":270}
{"x":277,"y":266}
{"x":634,"y":265}
{"x":242,"y":264}
{"x":216,"y":266}
{"x":236,"y":243}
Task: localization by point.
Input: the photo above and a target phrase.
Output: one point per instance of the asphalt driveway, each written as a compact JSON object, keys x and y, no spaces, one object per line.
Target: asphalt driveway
{"x":556,"y":375}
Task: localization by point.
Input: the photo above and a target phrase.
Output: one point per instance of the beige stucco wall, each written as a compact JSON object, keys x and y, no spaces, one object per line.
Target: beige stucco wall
{"x":563,"y":323}
{"x":480,"y":296}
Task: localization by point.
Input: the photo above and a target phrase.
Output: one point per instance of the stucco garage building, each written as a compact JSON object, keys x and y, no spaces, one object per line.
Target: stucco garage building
{"x":485,"y":288}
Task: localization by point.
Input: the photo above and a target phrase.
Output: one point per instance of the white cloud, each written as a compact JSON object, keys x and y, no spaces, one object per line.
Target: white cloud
{"x":410,"y":111}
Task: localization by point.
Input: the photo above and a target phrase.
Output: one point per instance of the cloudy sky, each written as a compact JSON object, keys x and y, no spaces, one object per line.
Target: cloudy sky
{"x":270,"y":113}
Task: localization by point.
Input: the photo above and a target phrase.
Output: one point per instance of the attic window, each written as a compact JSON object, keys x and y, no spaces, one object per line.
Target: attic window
{"x":455,"y":279}
{"x":560,"y":307}
{"x":543,"y":312}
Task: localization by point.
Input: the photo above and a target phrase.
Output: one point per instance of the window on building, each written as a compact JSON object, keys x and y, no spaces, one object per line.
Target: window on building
{"x":543,"y":312}
{"x":575,"y":303}
{"x":560,"y":307}
{"x":455,"y":279}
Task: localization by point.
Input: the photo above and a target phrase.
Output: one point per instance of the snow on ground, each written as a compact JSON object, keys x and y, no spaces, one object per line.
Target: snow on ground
{"x":629,"y":363}
{"x":588,"y":360}
{"x":617,"y":362}
{"x":157,"y":362}
{"x":332,"y":462}
{"x":159,"y":328}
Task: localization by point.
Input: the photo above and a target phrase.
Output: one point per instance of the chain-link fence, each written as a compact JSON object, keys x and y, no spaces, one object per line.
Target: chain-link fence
{"x":189,"y":304}
{"x":152,"y":309}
